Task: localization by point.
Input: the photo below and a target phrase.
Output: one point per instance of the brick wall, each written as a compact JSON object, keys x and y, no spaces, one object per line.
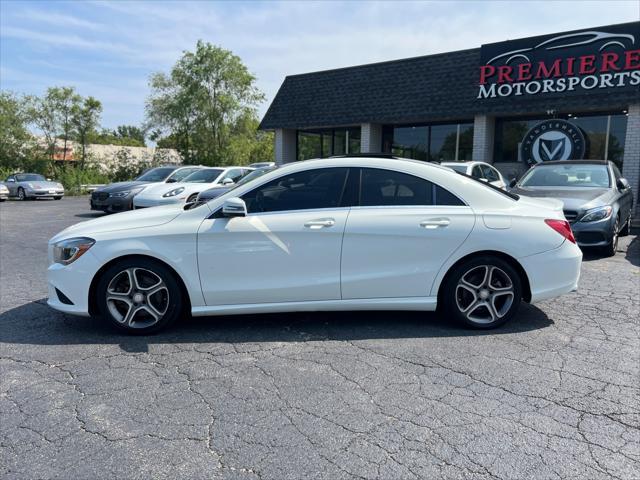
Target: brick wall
{"x":483,"y":133}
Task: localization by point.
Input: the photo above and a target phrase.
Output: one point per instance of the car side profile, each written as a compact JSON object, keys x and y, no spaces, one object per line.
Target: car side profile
{"x":29,"y":186}
{"x":479,"y":170}
{"x":597,"y":200}
{"x":354,"y":233}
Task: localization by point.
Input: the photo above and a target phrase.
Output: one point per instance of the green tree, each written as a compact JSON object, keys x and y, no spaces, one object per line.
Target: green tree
{"x":132,"y":132}
{"x":16,"y":143}
{"x":85,"y":118}
{"x":203,"y":104}
{"x":65,"y":101}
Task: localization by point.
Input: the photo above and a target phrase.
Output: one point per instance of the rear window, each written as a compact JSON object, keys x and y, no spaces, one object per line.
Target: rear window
{"x":579,"y":175}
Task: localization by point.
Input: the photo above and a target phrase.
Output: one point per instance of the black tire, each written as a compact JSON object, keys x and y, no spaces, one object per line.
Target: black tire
{"x":494,"y":305}
{"x":57,"y":198}
{"x":21,"y":195}
{"x":192,"y":198}
{"x":2,"y":200}
{"x":611,"y":248}
{"x":626,"y":228}
{"x":144,"y":321}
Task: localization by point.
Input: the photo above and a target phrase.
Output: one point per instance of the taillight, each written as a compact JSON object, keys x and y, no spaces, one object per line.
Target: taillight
{"x":562,"y":227}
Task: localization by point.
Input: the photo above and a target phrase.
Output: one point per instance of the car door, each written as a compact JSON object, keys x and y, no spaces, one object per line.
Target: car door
{"x":397,"y":238}
{"x":287,"y":248}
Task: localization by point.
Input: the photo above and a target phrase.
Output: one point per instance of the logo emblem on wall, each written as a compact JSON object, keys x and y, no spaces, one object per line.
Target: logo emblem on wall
{"x":552,"y":140}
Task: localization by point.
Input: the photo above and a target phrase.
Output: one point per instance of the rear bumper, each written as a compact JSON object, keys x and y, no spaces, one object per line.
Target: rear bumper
{"x":553,"y":273}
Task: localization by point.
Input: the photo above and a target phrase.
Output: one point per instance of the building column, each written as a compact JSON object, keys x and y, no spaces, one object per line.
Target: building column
{"x":483,"y":135}
{"x":284,"y":145}
{"x":631,"y":161}
{"x":370,"y":138}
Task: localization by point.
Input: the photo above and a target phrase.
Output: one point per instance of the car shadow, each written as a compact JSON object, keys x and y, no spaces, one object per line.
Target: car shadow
{"x":36,"y":323}
{"x":633,"y":251}
{"x":90,"y":215}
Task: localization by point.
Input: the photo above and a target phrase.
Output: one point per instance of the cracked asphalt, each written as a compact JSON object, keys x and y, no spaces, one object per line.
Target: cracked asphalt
{"x":555,"y":394}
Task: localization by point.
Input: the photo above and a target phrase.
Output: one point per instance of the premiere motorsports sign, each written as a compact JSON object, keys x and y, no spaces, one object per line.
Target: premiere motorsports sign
{"x":572,"y":63}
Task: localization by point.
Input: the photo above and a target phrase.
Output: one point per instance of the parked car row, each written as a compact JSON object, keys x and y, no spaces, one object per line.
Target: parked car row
{"x":29,"y":186}
{"x":354,"y":233}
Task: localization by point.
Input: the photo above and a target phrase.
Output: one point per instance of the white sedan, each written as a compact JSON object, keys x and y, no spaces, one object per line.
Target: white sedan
{"x":479,"y":170}
{"x":188,"y":189}
{"x":334,"y":234}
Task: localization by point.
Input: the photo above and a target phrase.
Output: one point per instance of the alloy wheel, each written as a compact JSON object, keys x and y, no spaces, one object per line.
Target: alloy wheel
{"x":484,"y":294}
{"x":137,"y":297}
{"x":21,"y":194}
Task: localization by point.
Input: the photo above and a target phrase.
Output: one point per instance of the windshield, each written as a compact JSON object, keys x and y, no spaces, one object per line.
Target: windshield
{"x":30,"y":177}
{"x":182,"y":173}
{"x":206,"y":175}
{"x":457,"y":168}
{"x":579,"y":175}
{"x":155,"y":174}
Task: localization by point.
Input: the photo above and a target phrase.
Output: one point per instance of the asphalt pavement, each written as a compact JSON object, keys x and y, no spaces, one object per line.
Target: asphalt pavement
{"x":555,"y":394}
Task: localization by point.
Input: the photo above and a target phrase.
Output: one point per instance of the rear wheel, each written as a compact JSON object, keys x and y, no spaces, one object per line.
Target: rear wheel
{"x":139,"y":296}
{"x":483,"y":292}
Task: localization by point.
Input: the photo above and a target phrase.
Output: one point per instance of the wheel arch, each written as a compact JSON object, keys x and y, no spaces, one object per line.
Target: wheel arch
{"x":526,"y":286}
{"x":93,"y":301}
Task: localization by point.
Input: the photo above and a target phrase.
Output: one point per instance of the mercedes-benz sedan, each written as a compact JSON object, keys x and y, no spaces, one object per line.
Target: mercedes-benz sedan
{"x":335,"y":234}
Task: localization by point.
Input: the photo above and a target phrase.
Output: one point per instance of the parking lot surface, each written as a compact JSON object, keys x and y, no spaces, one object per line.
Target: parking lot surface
{"x":554,"y":394}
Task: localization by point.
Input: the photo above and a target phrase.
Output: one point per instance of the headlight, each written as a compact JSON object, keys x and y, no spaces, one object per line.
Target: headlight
{"x":30,"y":185}
{"x":174,"y":192}
{"x":68,"y":251}
{"x":125,"y":193}
{"x":596,"y":214}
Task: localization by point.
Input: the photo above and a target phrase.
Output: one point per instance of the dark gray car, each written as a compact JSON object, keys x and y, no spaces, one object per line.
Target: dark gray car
{"x":118,"y":197}
{"x":598,"y":201}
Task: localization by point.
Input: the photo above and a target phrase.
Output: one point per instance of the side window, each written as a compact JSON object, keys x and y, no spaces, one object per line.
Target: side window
{"x":489,"y":173}
{"x":445,"y":197}
{"x":234,"y":174}
{"x":476,"y":172}
{"x":387,"y":187}
{"x":9,"y":178}
{"x":310,"y":189}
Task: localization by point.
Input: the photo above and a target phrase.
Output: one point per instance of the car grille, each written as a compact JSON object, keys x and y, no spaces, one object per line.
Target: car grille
{"x":570,"y":215}
{"x":99,"y":196}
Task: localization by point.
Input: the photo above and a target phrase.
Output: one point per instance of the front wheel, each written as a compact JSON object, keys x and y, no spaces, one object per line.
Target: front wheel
{"x":21,"y":194}
{"x":58,"y":198}
{"x":482,"y":293}
{"x":611,"y":248}
{"x":192,"y":198}
{"x":139,"y":296}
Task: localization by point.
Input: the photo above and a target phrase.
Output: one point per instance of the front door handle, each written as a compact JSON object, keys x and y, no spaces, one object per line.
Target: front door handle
{"x":320,"y":223}
{"x":435,"y":223}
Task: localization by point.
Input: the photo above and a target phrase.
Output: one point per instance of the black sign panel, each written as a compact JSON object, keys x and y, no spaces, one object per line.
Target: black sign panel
{"x":594,"y":61}
{"x":552,"y":140}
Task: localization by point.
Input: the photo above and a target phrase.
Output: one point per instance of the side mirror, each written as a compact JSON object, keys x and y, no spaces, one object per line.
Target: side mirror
{"x":227,"y":181}
{"x":234,"y":207}
{"x":48,"y":179}
{"x":11,"y":180}
{"x":171,"y":180}
{"x":512,"y":182}
{"x":622,"y":183}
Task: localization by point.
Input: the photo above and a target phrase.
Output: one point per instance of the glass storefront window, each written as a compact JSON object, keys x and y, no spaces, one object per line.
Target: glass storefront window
{"x":604,"y":135}
{"x":325,"y":143}
{"x":438,"y":143}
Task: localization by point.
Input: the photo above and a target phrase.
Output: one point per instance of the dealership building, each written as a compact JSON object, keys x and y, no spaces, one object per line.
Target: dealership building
{"x":563,"y":96}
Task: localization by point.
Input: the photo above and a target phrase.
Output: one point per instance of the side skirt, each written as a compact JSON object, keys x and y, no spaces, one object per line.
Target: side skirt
{"x":407,"y":303}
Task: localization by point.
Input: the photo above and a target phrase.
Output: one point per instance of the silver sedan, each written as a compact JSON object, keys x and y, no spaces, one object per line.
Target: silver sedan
{"x":32,"y":185}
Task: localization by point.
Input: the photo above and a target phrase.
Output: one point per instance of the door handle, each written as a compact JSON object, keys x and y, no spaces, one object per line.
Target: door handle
{"x":320,"y":223}
{"x":435,"y":223}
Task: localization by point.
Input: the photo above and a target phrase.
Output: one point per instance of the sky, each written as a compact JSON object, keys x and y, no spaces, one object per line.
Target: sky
{"x":108,"y":49}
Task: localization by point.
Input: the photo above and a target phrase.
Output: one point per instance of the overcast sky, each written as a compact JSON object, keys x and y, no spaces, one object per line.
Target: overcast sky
{"x":108,"y":49}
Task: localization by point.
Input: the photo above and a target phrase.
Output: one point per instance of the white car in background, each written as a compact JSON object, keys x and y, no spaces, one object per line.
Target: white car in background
{"x":479,"y":170}
{"x":188,"y":189}
{"x":352,"y":233}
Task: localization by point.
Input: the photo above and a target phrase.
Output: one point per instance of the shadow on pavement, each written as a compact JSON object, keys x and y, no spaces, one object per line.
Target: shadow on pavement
{"x":35,"y":323}
{"x":633,"y":252}
{"x":90,"y":215}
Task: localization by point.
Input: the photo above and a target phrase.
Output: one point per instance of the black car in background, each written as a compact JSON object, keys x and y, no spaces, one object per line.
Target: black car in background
{"x":598,"y":201}
{"x":118,"y":197}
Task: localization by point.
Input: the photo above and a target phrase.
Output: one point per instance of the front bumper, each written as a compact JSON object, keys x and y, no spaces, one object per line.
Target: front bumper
{"x":553,"y":273}
{"x":154,"y":202}
{"x":73,"y":281}
{"x":111,"y":204}
{"x":594,"y":234}
{"x":44,"y":192}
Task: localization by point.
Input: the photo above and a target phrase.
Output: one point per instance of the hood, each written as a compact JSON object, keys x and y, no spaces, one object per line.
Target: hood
{"x":572,"y":198}
{"x":43,"y":184}
{"x":121,"y":221}
{"x":120,"y":186}
{"x":157,"y":191}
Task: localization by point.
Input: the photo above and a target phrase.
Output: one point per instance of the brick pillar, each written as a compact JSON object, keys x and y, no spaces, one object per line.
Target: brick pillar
{"x":483,"y":134}
{"x":631,"y":161}
{"x":370,"y":138}
{"x":285,"y":145}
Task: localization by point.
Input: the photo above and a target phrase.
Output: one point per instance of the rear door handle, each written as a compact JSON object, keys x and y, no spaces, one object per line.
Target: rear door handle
{"x":320,"y":223}
{"x":435,"y":223}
